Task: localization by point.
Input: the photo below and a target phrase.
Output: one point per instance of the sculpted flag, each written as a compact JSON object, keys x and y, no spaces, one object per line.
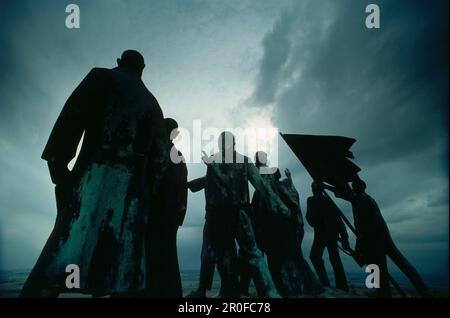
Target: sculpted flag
{"x":326,"y":158}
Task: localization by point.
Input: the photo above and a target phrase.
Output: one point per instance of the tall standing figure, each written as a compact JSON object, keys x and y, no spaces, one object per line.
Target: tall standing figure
{"x":227,"y":203}
{"x":329,"y":228}
{"x":163,"y":277}
{"x":279,"y":237}
{"x":374,"y":241}
{"x":290,"y":196}
{"x":207,"y":255}
{"x":103,"y":203}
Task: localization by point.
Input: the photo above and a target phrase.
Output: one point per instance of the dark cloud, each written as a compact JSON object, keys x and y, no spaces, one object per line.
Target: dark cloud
{"x":198,"y":54}
{"x":386,"y":87}
{"x":277,"y":46}
{"x":320,"y":71}
{"x":324,"y":72}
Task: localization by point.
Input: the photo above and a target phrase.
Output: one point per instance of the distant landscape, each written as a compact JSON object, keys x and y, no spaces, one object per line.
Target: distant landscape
{"x":11,"y":283}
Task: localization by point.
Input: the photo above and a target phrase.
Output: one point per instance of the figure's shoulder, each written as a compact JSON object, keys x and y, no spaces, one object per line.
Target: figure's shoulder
{"x":151,"y":99}
{"x":363,"y":197}
{"x":99,"y":75}
{"x":100,"y":71}
{"x":240,"y":158}
{"x":371,"y":200}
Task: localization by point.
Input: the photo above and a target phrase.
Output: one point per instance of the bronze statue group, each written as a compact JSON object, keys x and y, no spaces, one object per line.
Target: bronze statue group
{"x":120,"y":207}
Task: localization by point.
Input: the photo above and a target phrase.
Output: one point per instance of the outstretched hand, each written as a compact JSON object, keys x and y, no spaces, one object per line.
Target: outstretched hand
{"x":287,"y":173}
{"x":205,"y":158}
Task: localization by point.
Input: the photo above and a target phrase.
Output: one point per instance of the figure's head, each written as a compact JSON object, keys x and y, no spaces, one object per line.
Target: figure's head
{"x":132,"y":60}
{"x":226,"y":141}
{"x":260,"y":159}
{"x":317,"y":187}
{"x":171,"y":128}
{"x":359,"y":186}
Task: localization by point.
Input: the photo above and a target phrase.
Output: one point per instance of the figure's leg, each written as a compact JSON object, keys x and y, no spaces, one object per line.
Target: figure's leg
{"x":385,"y":287}
{"x":288,"y":282}
{"x":278,"y":273}
{"x":227,"y":268}
{"x":407,"y":268}
{"x":281,"y":258}
{"x":376,"y":255}
{"x":310,"y":283}
{"x":153,"y":260}
{"x":254,"y":257}
{"x":338,"y":268}
{"x":207,"y":266}
{"x":208,"y":262}
{"x":315,"y":256}
{"x":174,"y":286}
{"x":244,"y":276}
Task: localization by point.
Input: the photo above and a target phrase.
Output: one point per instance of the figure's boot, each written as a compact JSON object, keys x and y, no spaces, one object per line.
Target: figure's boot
{"x":199,"y":293}
{"x":311,"y":285}
{"x":339,"y":274}
{"x":244,"y":280}
{"x":263,"y":280}
{"x":319,"y":266}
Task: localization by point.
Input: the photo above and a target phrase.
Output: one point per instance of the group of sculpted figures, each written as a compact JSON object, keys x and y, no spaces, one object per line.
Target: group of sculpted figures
{"x":120,"y":207}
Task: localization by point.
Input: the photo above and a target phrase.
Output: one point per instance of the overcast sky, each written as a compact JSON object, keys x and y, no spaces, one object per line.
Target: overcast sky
{"x":301,"y":66}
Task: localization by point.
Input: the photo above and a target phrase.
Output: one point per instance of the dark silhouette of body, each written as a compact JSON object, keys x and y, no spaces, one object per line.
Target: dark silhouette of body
{"x":227,"y":201}
{"x":374,"y":241}
{"x":103,"y":203}
{"x":262,"y":224}
{"x":215,"y":246}
{"x":289,"y":195}
{"x":163,"y":269}
{"x":279,"y":237}
{"x":328,"y":230}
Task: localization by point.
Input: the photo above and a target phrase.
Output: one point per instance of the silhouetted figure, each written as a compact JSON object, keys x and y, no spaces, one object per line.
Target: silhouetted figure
{"x":290,"y":197}
{"x":163,"y":270}
{"x":260,"y":218}
{"x":103,"y":203}
{"x":213,"y":245}
{"x":278,"y":236}
{"x":328,"y":230}
{"x":227,"y":200}
{"x":374,"y":241}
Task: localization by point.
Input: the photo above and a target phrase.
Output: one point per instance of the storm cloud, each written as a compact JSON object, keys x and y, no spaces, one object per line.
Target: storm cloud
{"x":305,"y":66}
{"x":324,"y":72}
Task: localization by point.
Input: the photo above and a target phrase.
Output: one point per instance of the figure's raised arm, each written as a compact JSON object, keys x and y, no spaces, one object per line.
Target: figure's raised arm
{"x":197,"y":184}
{"x":269,"y":195}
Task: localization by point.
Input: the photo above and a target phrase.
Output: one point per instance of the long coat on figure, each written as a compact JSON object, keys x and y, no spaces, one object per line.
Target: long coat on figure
{"x":103,"y":206}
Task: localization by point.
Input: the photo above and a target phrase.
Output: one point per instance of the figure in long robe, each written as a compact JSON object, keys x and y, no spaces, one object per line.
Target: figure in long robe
{"x":164,"y":278}
{"x":103,"y":202}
